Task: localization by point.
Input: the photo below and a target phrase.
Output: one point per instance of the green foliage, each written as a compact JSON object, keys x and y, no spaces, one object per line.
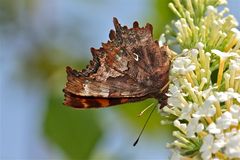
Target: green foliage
{"x":8,"y":14}
{"x":131,"y":111}
{"x":74,"y":131}
{"x":162,"y":15}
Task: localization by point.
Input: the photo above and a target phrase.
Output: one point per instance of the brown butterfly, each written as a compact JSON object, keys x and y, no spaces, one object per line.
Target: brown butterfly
{"x":130,"y":67}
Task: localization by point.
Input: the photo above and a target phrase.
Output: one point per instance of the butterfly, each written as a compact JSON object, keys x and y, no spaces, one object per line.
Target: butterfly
{"x":130,"y":67}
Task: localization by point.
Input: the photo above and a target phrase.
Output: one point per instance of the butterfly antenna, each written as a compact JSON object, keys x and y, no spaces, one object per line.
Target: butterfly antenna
{"x":145,"y":124}
{"x":141,"y":113}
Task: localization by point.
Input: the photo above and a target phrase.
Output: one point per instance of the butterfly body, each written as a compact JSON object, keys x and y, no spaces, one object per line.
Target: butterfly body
{"x":130,"y":67}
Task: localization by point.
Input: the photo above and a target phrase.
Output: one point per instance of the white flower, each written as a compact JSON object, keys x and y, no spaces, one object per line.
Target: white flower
{"x":229,"y":94}
{"x":175,"y":97}
{"x":207,"y":147}
{"x":210,"y":146}
{"x":218,"y":144}
{"x":200,"y":45}
{"x":233,"y":94}
{"x":206,"y":93}
{"x":236,"y":32}
{"x":235,"y":64}
{"x":235,"y":111}
{"x":194,"y":53}
{"x":207,"y":109}
{"x":181,"y":126}
{"x":194,"y":127}
{"x":211,"y":9}
{"x":178,"y":24}
{"x":222,"y":96}
{"x":182,"y":65}
{"x":212,"y":128}
{"x":223,"y":55}
{"x":225,"y":121}
{"x":187,"y":111}
{"x":174,"y":101}
{"x":174,"y":90}
{"x":233,"y":146}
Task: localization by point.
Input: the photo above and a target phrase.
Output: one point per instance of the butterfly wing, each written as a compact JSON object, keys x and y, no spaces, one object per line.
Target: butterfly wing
{"x":129,"y":67}
{"x":147,"y":63}
{"x":95,"y":102}
{"x":87,"y":92}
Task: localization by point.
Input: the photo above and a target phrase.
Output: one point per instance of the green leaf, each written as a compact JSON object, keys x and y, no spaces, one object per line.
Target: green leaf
{"x":130,"y":112}
{"x":162,"y":16}
{"x":74,"y":131}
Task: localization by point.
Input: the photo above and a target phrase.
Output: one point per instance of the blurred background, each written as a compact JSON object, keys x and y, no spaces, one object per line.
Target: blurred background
{"x":38,"y":39}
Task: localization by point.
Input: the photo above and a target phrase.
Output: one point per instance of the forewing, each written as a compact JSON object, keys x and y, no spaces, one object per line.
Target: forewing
{"x":97,"y":86}
{"x":146,"y":61}
{"x":129,"y":66}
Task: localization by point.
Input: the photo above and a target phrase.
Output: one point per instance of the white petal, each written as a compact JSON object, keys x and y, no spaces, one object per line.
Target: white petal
{"x":212,"y":128}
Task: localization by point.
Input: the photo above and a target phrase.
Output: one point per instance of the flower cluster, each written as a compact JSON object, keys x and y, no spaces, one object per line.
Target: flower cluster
{"x":204,"y":93}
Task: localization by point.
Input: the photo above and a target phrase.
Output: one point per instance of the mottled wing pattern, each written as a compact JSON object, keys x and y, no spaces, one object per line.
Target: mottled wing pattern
{"x":129,"y":67}
{"x":146,"y":61}
{"x":103,"y":84}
